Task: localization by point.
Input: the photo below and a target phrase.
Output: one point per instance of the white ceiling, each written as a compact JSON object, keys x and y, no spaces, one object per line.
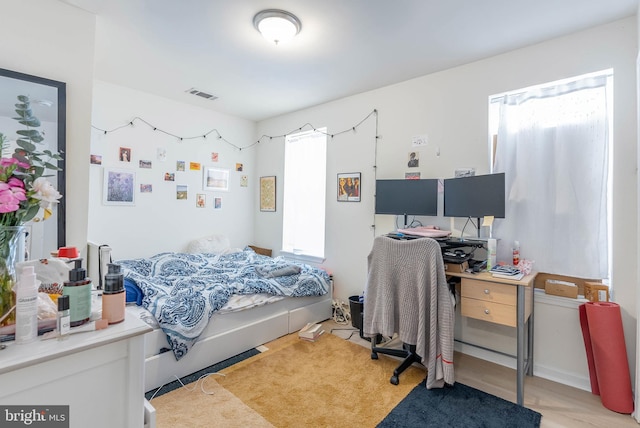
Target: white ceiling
{"x":345,"y":47}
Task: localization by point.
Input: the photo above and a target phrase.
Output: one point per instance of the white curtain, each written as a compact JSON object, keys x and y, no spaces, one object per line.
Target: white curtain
{"x":553,"y":145}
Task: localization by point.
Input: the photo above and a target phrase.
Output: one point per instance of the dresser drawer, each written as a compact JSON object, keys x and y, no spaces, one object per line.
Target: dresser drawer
{"x":488,"y":311}
{"x":489,"y":291}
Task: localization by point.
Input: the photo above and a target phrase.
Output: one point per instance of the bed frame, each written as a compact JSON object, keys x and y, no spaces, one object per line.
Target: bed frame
{"x":227,"y":334}
{"x":230,"y":334}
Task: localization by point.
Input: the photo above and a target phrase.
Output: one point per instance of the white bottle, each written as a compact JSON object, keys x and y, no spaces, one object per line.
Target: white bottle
{"x":492,"y":245}
{"x":26,"y":306}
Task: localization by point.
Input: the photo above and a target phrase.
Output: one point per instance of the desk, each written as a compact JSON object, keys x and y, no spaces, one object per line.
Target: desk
{"x":506,"y":302}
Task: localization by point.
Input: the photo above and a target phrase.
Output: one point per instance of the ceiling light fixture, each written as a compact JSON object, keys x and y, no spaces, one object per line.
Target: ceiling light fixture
{"x":277,"y":26}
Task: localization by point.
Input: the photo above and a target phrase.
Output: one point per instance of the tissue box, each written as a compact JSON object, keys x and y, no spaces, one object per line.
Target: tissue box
{"x":561,"y":288}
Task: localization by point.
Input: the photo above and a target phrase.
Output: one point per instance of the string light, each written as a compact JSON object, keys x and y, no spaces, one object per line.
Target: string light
{"x":220,"y":137}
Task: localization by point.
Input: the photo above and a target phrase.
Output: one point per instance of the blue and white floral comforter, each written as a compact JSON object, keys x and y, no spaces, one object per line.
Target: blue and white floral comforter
{"x":182,"y":291}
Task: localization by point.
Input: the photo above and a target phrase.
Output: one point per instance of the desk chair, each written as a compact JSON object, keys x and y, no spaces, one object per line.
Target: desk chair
{"x":407,"y":293}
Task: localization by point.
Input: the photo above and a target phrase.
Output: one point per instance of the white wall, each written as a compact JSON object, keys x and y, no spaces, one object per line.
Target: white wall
{"x":59,"y":49}
{"x":451,"y":107}
{"x":158,"y":221}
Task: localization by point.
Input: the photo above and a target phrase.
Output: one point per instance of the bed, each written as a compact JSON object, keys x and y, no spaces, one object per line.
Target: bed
{"x":264,"y":298}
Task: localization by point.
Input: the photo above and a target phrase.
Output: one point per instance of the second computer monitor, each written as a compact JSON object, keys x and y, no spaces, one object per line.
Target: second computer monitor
{"x":475,"y":196}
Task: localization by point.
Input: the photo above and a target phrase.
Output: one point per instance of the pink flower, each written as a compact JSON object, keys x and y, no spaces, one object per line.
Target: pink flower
{"x":15,"y":182}
{"x":9,"y":202}
{"x":12,"y":161}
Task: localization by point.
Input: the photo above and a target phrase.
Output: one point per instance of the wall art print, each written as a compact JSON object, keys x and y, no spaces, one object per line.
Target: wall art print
{"x":119,"y":186}
{"x":268,"y":193}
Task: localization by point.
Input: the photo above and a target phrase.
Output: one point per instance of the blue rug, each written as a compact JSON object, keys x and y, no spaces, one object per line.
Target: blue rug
{"x":458,"y":406}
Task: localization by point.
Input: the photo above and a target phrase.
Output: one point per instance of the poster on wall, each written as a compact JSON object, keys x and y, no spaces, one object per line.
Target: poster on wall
{"x":201,"y":200}
{"x":216,"y":179}
{"x":268,"y":193}
{"x":349,"y":187}
{"x":118,"y":187}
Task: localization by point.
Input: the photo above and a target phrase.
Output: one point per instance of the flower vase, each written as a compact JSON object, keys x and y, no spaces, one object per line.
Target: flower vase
{"x":12,"y":251}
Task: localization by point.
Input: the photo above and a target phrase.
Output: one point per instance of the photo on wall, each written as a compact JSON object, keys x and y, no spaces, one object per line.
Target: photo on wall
{"x":181,"y":192}
{"x":125,"y":154}
{"x":179,"y":165}
{"x":118,"y":187}
{"x":215,"y":179}
{"x":217,"y":203}
{"x":201,"y":200}
{"x":349,"y":187}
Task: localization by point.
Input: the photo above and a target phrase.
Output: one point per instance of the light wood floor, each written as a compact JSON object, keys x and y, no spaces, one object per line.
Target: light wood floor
{"x":560,"y":405}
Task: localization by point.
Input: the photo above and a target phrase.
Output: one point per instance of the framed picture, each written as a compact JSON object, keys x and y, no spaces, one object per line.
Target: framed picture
{"x":216,"y":179}
{"x":349,"y":187}
{"x":268,"y":193}
{"x":118,"y":187}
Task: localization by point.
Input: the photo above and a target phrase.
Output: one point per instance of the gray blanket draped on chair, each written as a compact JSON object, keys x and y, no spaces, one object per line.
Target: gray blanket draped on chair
{"x":407,"y":293}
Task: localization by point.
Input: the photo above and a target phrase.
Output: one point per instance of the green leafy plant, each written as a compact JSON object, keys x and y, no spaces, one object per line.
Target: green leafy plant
{"x":24,"y":188}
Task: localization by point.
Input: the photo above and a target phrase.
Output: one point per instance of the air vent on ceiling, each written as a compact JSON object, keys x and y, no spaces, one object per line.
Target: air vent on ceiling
{"x":201,"y":94}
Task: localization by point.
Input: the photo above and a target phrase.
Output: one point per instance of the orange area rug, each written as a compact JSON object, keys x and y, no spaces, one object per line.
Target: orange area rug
{"x":328,"y":383}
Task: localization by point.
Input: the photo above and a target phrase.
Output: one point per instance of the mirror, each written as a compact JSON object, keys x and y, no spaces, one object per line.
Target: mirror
{"x":48,"y":102}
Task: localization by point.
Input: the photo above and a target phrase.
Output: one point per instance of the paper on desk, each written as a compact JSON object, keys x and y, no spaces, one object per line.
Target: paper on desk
{"x":487,"y":220}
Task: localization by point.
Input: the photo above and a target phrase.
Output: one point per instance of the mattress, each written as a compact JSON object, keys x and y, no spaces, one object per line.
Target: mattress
{"x":236,"y":303}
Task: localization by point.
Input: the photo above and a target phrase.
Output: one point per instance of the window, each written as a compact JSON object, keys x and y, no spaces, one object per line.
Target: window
{"x":553,"y":144}
{"x":303,"y":220}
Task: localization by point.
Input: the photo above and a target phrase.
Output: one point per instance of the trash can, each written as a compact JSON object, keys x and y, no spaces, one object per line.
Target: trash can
{"x":356,"y":307}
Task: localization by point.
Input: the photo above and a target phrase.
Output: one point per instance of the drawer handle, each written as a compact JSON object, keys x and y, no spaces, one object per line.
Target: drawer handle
{"x":486,"y":311}
{"x":486,"y":291}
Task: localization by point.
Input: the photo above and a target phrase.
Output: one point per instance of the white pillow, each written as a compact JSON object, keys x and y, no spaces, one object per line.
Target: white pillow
{"x":216,"y":244}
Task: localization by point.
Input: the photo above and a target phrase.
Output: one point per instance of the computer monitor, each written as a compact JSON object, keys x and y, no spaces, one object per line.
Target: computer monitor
{"x":475,"y":196}
{"x":407,"y":197}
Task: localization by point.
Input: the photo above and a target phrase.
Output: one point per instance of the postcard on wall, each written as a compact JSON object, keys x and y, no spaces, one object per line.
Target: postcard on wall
{"x":169,"y":176}
{"x":161,"y":154}
{"x":239,"y":167}
{"x":146,"y":188}
{"x":201,"y":200}
{"x":96,"y":159}
{"x":145,"y":164}
{"x":464,"y":172}
{"x":412,"y":175}
{"x":194,"y":166}
{"x":214,"y":157}
{"x":217,"y":203}
{"x":118,"y":187}
{"x":181,"y":191}
{"x":349,"y":187}
{"x":268,"y":193}
{"x":125,"y":154}
{"x":215,"y":179}
{"x":179,"y":165}
{"x":244,"y":181}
